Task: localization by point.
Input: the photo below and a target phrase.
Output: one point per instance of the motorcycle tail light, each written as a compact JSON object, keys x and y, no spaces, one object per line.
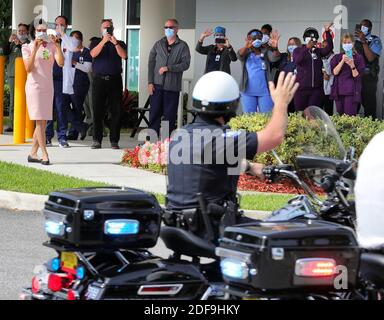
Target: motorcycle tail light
{"x":316,"y":267}
{"x":160,"y":290}
{"x":71,"y":296}
{"x":56,"y":282}
{"x":35,"y":285}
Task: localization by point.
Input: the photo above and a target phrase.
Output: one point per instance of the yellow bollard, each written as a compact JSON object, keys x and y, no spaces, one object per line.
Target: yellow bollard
{"x":20,"y":102}
{"x":2,"y":83}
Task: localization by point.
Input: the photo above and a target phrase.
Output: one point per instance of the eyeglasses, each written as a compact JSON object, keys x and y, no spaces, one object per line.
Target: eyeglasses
{"x":170,"y":27}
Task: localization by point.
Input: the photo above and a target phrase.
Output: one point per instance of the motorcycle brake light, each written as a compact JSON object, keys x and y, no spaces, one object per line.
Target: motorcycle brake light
{"x":316,"y":267}
{"x":35,"y":285}
{"x":56,"y":282}
{"x":160,"y":290}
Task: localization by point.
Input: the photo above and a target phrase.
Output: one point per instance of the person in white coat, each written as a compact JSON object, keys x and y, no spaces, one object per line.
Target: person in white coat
{"x":63,"y":83}
{"x":369,"y":192}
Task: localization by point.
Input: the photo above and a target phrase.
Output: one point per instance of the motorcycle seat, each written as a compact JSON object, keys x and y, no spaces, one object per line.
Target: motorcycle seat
{"x":372,"y":267}
{"x":185,"y":243}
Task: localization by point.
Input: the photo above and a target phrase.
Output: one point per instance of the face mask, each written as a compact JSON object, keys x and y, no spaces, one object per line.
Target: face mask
{"x":22,"y":37}
{"x":169,"y":33}
{"x":76,"y":41}
{"x":257,"y":43}
{"x":291,"y":48}
{"x":347,"y":47}
{"x":266,"y":39}
{"x":365,"y":30}
{"x":307,"y":40}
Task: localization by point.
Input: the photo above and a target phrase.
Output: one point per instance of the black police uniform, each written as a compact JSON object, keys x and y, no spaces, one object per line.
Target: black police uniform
{"x":211,"y":180}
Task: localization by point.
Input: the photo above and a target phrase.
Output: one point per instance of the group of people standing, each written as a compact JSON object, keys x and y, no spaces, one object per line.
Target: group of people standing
{"x":60,"y":71}
{"x":348,"y":79}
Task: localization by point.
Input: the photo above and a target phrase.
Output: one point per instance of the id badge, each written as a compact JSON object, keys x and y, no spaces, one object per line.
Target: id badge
{"x":314,"y":56}
{"x":218,"y":57}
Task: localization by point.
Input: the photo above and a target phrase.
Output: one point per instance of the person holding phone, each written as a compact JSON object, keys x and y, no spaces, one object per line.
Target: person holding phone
{"x":63,"y":77}
{"x":12,"y":50}
{"x":348,"y":68}
{"x":219,"y":55}
{"x":257,"y":62}
{"x":39,"y":57}
{"x":370,"y":47}
{"x":107,"y":53}
{"x":308,"y":60}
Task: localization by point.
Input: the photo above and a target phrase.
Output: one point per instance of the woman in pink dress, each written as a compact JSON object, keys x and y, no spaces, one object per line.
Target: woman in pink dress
{"x":39,"y":57}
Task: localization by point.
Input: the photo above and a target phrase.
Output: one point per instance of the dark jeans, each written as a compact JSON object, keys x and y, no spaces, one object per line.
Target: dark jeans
{"x":328,"y":105}
{"x":76,"y":114}
{"x":61,"y":106}
{"x":163,"y":104}
{"x":107,"y":95}
{"x":369,"y":100}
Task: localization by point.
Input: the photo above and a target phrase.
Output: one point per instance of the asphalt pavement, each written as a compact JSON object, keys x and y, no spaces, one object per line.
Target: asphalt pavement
{"x":21,"y":249}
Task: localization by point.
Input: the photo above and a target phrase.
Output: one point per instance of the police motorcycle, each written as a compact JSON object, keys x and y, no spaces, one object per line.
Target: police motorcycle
{"x":103,"y":239}
{"x":334,"y":175}
{"x":308,"y":249}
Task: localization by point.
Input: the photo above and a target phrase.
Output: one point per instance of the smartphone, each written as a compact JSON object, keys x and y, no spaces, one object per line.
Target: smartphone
{"x":358,"y":27}
{"x":350,"y":54}
{"x":51,"y":26}
{"x":110,"y":30}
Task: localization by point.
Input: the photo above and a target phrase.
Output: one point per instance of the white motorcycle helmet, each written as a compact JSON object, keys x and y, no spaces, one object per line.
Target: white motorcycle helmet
{"x":216,"y":94}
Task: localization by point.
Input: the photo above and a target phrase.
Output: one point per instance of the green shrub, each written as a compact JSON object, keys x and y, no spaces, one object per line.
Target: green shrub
{"x":303,"y":136}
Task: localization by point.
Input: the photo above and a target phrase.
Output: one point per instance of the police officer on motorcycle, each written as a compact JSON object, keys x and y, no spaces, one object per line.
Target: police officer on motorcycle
{"x":206,"y":158}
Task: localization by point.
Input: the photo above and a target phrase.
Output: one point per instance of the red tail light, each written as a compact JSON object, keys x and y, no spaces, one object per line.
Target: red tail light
{"x":160,"y":290}
{"x":316,"y":267}
{"x":56,"y":282}
{"x":71,"y":295}
{"x":35,"y":285}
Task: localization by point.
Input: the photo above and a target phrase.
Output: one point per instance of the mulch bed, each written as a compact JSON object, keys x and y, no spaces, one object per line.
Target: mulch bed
{"x":286,"y":186}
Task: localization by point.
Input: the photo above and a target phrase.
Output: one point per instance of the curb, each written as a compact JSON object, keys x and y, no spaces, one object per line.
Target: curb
{"x":30,"y":202}
{"x":21,"y":201}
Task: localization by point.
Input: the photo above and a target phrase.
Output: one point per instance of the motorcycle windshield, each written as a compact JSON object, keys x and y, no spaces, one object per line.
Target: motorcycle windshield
{"x":322,"y":138}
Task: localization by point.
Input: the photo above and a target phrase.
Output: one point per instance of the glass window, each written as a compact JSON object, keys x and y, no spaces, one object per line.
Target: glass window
{"x":133,"y":16}
{"x":132,"y":71}
{"x":66,"y":10}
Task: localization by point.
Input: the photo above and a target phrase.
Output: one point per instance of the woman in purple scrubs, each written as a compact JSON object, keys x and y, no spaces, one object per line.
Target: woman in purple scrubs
{"x":348,"y":68}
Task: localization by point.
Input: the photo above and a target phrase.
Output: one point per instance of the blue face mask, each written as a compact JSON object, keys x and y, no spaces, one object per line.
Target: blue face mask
{"x":365,"y":30}
{"x":347,"y":47}
{"x":292,"y":48}
{"x":257,"y":43}
{"x":169,"y":33}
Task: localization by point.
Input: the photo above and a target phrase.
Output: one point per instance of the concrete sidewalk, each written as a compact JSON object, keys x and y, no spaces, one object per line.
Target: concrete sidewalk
{"x":80,"y":161}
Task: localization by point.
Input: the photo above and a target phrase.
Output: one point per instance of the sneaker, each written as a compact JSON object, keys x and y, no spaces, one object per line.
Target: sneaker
{"x":115,"y":146}
{"x":64,"y":144}
{"x":8,"y":130}
{"x":48,"y":143}
{"x":96,"y":145}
